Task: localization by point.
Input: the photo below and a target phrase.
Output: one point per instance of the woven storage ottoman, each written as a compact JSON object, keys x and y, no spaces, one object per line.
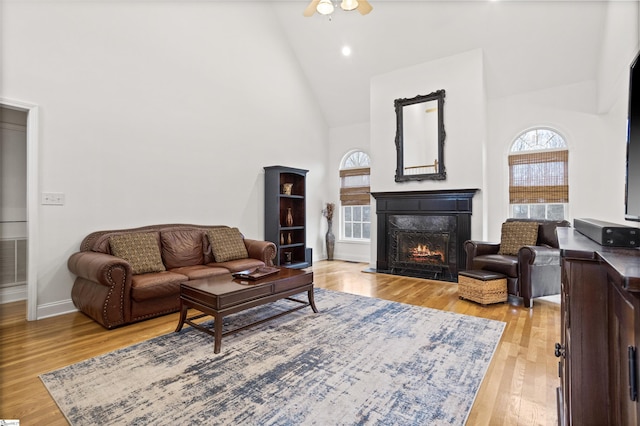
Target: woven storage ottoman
{"x":483,"y":287}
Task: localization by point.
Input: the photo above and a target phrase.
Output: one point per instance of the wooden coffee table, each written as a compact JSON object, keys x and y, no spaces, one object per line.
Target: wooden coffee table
{"x":224,"y":295}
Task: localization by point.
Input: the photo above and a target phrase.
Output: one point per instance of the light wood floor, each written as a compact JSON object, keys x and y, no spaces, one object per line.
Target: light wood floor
{"x":518,"y":389}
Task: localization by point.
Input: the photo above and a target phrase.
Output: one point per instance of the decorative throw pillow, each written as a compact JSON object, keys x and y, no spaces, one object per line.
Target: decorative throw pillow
{"x":227,"y":244}
{"x":141,"y":250}
{"x":181,"y":247}
{"x":517,"y":234}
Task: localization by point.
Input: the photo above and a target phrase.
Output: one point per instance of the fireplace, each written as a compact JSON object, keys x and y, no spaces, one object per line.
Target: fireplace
{"x":422,"y":233}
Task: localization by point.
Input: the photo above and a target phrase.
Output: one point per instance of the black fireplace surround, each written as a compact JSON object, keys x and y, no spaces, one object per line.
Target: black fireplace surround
{"x":422,"y":233}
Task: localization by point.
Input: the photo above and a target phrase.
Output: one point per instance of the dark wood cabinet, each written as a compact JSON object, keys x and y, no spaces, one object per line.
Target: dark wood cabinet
{"x":622,"y":344}
{"x":285,"y":224}
{"x":583,"y":339}
{"x":599,"y":315}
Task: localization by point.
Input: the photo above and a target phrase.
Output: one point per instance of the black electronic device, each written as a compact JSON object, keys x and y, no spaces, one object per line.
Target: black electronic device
{"x":632,"y":187}
{"x":608,"y":234}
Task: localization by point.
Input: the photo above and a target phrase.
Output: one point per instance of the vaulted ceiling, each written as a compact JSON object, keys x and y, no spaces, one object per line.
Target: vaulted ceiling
{"x":527,"y":45}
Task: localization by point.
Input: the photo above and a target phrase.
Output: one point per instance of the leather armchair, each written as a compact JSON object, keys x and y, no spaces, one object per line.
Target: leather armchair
{"x":534,"y":272}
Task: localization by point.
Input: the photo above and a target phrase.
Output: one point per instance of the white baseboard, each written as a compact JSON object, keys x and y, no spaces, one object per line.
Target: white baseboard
{"x":19,"y":292}
{"x":351,"y":257}
{"x":54,"y":309}
{"x":13,"y":294}
{"x":555,"y":298}
{"x":357,"y":259}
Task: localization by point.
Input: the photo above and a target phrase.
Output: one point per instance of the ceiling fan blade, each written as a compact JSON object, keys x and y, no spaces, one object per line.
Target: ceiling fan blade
{"x":364,"y":7}
{"x":311,"y":9}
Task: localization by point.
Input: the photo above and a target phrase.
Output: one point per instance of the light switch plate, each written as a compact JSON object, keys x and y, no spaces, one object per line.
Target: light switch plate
{"x":53,"y":198}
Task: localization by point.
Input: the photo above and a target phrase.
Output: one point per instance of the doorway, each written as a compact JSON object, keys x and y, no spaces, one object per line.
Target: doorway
{"x":19,"y":212}
{"x":13,"y":205}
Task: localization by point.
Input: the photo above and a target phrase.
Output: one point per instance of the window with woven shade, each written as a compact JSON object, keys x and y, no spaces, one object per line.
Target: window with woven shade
{"x":354,"y":186}
{"x":354,"y":196}
{"x":539,"y":175}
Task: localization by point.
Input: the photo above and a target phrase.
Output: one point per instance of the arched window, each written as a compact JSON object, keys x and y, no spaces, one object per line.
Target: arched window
{"x":539,"y":175}
{"x":354,"y":196}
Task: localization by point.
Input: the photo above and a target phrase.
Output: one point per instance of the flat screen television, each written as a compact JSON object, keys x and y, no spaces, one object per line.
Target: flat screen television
{"x":632,"y":187}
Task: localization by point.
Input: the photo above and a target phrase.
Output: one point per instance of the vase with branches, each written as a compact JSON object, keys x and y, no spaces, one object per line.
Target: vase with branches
{"x":330,"y":239}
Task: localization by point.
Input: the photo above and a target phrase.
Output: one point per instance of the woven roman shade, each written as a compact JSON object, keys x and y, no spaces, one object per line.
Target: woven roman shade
{"x":539,"y":177}
{"x":354,"y":186}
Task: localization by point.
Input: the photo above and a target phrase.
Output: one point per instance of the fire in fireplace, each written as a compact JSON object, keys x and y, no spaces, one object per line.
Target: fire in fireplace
{"x":420,"y":249}
{"x":425,"y":254}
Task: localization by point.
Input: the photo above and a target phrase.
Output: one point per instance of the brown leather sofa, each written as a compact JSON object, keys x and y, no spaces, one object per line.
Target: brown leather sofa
{"x":533,"y":272}
{"x":114,"y":291}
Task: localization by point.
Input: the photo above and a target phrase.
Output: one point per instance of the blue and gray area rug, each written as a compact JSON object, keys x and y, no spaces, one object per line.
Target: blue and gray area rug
{"x":360,"y":361}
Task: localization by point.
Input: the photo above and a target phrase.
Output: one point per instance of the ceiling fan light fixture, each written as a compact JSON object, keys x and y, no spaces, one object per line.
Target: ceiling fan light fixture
{"x":349,"y":4}
{"x":325,"y":7}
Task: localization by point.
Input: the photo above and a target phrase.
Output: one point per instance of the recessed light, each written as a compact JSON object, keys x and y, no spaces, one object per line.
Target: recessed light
{"x":346,"y":50}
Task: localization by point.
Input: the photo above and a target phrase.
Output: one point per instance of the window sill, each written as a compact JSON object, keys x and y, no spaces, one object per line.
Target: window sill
{"x":357,"y":242}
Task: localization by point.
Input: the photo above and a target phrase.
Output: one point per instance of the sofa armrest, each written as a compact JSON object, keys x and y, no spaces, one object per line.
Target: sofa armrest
{"x":478,"y":248}
{"x":102,"y":287}
{"x":262,"y":250}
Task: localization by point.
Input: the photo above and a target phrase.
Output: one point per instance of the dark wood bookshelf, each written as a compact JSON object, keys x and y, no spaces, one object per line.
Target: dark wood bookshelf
{"x":288,"y":238}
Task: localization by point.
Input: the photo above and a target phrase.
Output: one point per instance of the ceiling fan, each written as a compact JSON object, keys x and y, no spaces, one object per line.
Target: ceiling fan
{"x":325,"y":7}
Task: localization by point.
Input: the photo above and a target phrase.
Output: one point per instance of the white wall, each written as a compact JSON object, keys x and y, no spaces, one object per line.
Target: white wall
{"x":461,"y":76}
{"x":619,"y":46}
{"x":591,"y":115}
{"x":569,"y":110}
{"x":156,"y":112}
